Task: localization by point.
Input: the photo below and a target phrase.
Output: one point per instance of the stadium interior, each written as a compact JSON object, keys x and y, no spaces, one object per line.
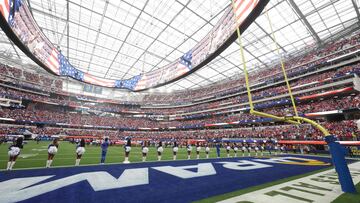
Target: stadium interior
{"x":174,"y":72}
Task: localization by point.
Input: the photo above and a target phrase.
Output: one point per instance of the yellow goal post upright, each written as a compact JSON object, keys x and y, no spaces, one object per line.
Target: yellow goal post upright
{"x":336,"y":151}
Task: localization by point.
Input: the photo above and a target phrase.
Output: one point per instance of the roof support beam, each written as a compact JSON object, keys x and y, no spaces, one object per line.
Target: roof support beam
{"x":127,"y":35}
{"x":267,"y":34}
{"x":157,"y":37}
{"x":98,"y":33}
{"x":305,"y":21}
{"x":356,"y":7}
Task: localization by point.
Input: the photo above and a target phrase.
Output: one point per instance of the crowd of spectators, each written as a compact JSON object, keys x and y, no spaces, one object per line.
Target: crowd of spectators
{"x":56,"y":114}
{"x":345,"y":130}
{"x":65,"y":110}
{"x":293,"y":67}
{"x":30,"y":78}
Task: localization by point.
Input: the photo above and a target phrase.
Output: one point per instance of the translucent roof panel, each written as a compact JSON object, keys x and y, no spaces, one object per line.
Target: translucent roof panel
{"x":119,"y":39}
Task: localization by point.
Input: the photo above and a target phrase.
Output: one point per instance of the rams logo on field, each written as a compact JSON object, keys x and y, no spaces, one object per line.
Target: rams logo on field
{"x":295,"y":161}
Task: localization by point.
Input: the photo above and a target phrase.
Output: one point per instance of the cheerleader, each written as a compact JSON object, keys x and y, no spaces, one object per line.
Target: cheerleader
{"x":262,"y":149}
{"x":207,"y":150}
{"x":235,"y":148}
{"x":256,"y":149}
{"x":276,"y":148}
{"x":127,"y":148}
{"x":104,"y":147}
{"x":243,"y":149}
{"x":80,"y":150}
{"x":249,"y":150}
{"x":282,"y":149}
{"x":228,"y":150}
{"x":175,"y":150}
{"x":189,"y":148}
{"x":160,"y":150}
{"x":14,"y":151}
{"x":52,"y":150}
{"x":144,"y":150}
{"x":198,"y":149}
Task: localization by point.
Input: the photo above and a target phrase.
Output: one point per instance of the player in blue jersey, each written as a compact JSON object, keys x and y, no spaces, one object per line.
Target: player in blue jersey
{"x":127,"y":148}
{"x":217,"y":145}
{"x":80,"y":150}
{"x":104,"y":147}
{"x":14,"y":151}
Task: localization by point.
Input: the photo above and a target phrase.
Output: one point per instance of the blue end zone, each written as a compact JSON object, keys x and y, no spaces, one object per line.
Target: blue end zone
{"x":155,"y":186}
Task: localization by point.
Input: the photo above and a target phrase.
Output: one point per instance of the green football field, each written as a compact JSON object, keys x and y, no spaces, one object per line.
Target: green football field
{"x":35,"y":155}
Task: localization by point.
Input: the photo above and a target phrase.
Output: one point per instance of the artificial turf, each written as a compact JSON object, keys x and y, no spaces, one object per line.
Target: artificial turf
{"x":35,"y":155}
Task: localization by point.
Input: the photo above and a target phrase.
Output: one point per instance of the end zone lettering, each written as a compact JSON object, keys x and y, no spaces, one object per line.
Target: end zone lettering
{"x":28,"y":186}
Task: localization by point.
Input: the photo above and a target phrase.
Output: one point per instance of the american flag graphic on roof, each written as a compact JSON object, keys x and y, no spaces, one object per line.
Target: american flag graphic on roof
{"x":67,"y":69}
{"x":243,"y":8}
{"x":98,"y":81}
{"x":130,"y":83}
{"x":53,"y":61}
{"x":184,"y":64}
{"x":14,"y":7}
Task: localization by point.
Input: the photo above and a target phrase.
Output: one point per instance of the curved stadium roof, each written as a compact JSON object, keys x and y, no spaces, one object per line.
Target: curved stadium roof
{"x":121,"y":39}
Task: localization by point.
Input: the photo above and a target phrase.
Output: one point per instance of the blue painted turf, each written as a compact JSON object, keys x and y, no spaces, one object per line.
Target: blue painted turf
{"x":162,"y":187}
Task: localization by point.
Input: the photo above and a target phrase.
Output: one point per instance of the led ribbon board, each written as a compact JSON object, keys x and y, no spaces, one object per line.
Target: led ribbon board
{"x":20,"y":26}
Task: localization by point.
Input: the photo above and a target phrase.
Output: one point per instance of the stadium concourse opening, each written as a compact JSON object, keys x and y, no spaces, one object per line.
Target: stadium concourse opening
{"x":181,"y":101}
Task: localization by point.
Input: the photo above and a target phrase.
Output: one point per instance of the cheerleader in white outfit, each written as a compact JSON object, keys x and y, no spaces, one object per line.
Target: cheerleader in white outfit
{"x":235,"y":148}
{"x":52,"y":150}
{"x":276,"y":148}
{"x":14,"y":151}
{"x":207,"y":150}
{"x":189,"y":148}
{"x":175,"y":150}
{"x":256,"y":149}
{"x":80,"y":150}
{"x":262,"y":149}
{"x":249,"y":150}
{"x":127,"y":148}
{"x":228,"y":149}
{"x":160,"y":150}
{"x":198,"y":149}
{"x":282,"y":149}
{"x":144,"y":150}
{"x":243,"y":149}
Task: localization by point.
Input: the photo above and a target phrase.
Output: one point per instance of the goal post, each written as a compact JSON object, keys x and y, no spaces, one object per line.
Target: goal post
{"x":336,"y":151}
